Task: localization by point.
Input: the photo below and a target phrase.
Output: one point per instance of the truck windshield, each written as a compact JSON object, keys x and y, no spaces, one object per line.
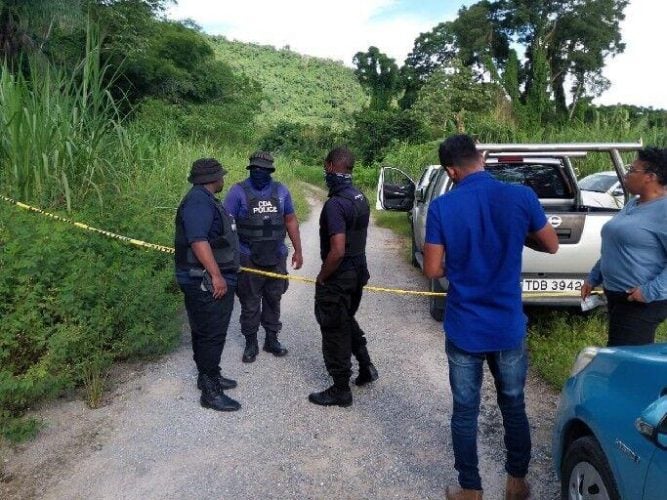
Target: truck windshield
{"x":547,"y":180}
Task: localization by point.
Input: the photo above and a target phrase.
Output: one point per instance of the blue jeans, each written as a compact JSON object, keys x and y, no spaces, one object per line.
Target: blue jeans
{"x":465,"y":377}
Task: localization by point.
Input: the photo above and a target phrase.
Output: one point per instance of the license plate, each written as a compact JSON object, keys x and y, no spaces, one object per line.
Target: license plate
{"x":551,"y":285}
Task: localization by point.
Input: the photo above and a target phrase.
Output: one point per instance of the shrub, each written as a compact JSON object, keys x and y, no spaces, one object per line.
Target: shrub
{"x":71,"y":303}
{"x":308,"y":144}
{"x":375,"y":131}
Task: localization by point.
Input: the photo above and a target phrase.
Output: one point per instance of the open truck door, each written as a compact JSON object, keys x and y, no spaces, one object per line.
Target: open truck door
{"x":396,"y":191}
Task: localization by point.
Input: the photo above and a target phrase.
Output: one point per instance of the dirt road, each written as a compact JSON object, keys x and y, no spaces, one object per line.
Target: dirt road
{"x":153,"y":440}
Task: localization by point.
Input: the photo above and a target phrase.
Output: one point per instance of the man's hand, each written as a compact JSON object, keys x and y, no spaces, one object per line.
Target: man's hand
{"x":635,"y":295}
{"x":586,"y":289}
{"x":545,"y":240}
{"x":292,"y":227}
{"x":297,"y":260}
{"x":219,"y":286}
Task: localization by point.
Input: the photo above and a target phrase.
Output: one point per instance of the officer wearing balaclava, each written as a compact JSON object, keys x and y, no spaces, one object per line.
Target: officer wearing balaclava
{"x":264,"y":214}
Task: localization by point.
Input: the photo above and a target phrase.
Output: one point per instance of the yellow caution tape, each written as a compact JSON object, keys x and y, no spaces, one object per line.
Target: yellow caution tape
{"x":86,"y":227}
{"x":268,"y":274}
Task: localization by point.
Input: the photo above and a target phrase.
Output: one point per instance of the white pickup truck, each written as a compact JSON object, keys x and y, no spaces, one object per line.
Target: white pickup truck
{"x":546,"y":279}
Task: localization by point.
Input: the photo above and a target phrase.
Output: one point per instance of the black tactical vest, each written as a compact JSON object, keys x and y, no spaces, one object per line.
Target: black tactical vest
{"x":263,"y":230}
{"x":225,"y":246}
{"x":355,"y":232}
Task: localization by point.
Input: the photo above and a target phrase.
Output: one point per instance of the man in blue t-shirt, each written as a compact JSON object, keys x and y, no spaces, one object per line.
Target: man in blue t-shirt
{"x":475,"y":236}
{"x":264,"y":215}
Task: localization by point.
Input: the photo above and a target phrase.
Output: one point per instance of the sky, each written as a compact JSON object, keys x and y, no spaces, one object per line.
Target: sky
{"x":341,"y":28}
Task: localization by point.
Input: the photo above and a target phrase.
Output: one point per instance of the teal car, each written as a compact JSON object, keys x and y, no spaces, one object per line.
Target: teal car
{"x":610,"y":434}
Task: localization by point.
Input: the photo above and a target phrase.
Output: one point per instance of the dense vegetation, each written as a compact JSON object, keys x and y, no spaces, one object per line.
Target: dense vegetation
{"x":298,"y":89}
{"x":104,"y":104}
{"x":100,"y":125}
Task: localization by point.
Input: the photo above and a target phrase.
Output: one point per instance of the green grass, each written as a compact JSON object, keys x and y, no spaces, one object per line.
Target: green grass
{"x":556,"y":337}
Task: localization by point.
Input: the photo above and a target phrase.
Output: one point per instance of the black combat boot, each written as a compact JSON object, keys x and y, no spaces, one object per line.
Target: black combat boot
{"x":213,"y":397}
{"x":336,"y":395}
{"x":251,"y":348}
{"x":225,"y":383}
{"x":272,"y":345}
{"x":367,"y":373}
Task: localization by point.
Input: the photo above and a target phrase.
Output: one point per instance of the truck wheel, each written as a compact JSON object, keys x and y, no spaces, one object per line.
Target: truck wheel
{"x":436,"y":304}
{"x":586,"y":472}
{"x":413,"y":253}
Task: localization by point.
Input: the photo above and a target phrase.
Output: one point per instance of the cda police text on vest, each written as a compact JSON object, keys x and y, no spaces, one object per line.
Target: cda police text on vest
{"x":264,"y":207}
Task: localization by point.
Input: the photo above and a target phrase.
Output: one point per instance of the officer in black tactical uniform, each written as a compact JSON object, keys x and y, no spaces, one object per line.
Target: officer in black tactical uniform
{"x":344,"y":272}
{"x":265,"y":214}
{"x":207,"y":263}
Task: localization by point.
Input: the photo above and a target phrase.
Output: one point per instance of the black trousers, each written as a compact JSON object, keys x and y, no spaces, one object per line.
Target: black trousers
{"x":209,"y":320}
{"x":633,"y":323}
{"x":260,"y":297}
{"x":336,"y":303}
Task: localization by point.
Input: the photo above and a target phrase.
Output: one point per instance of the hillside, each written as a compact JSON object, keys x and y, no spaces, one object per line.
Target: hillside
{"x":297,"y":88}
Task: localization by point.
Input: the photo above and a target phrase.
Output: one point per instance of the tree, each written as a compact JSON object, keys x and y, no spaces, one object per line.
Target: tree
{"x":510,"y":78}
{"x":482,"y":44}
{"x":449,"y":95}
{"x":26,"y":25}
{"x":379,"y":75}
{"x":537,"y":97}
{"x":432,"y":50}
{"x":474,"y":38}
{"x":576,"y":37}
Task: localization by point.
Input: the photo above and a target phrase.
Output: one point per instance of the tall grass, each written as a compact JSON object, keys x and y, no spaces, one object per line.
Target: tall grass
{"x":58,"y":130}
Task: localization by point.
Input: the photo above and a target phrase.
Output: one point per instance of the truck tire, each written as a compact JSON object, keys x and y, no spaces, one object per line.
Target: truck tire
{"x":436,"y":304}
{"x":413,"y":253}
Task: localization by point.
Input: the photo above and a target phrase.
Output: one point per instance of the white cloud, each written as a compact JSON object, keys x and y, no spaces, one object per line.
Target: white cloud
{"x":335,"y":30}
{"x":638,"y":76}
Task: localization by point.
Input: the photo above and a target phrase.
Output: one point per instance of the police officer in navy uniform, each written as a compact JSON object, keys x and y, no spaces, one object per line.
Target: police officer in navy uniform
{"x":207,"y":263}
{"x":264,"y":212}
{"x":344,"y":272}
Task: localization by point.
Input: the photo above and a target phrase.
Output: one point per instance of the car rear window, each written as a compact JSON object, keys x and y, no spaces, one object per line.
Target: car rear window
{"x":547,"y":180}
